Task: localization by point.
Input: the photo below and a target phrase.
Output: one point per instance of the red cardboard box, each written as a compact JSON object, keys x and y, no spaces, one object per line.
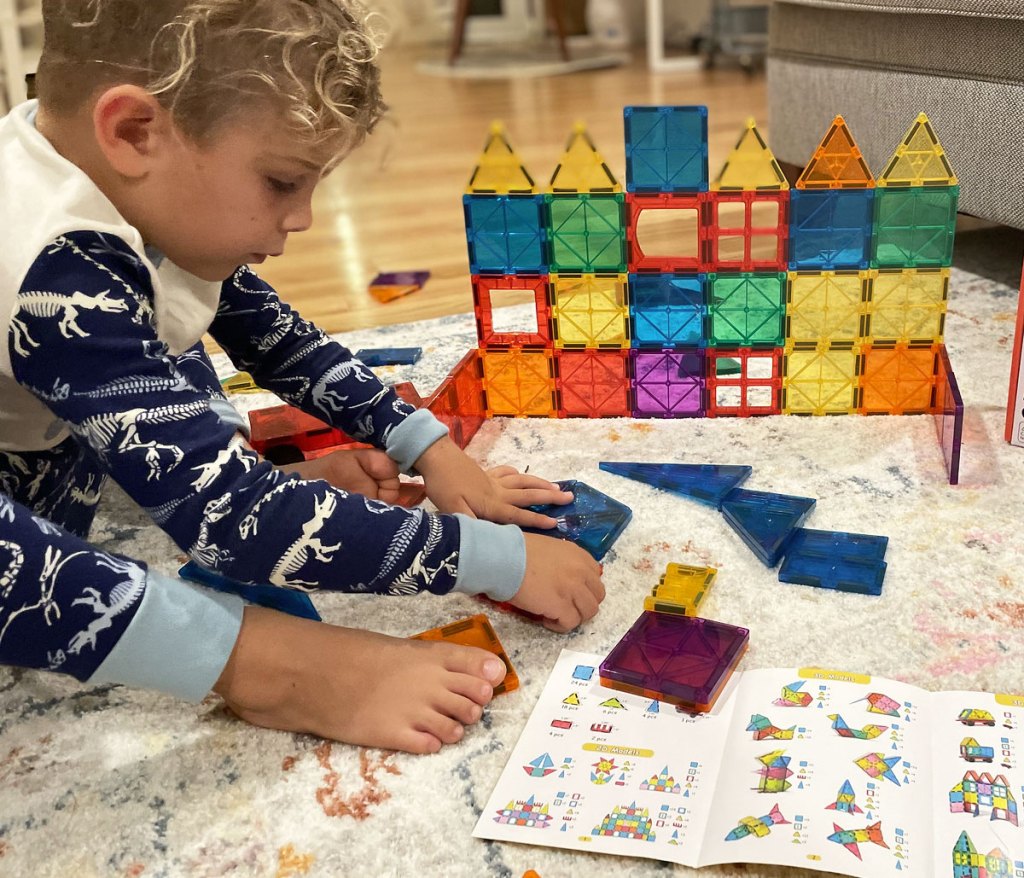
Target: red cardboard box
{"x":1015,"y":405}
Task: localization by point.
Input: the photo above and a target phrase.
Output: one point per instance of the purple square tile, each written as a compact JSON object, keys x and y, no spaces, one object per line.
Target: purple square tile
{"x":668,"y":384}
{"x":683,"y":660}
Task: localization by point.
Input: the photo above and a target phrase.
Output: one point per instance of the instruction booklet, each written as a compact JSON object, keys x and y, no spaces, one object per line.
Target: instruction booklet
{"x":807,"y":767}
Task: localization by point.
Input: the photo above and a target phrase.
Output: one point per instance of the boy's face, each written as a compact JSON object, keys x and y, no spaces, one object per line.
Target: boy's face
{"x":233,"y":200}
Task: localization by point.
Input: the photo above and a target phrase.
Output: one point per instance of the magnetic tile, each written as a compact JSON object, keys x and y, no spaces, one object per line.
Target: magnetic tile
{"x":388,"y":356}
{"x":475,"y":631}
{"x":706,"y":483}
{"x":765,"y":521}
{"x":285,"y":600}
{"x":682,"y":660}
{"x":593,"y":520}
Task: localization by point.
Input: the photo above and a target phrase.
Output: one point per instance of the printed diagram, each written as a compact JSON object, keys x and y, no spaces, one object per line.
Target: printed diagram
{"x":977,"y":793}
{"x":662,"y":783}
{"x":879,"y":703}
{"x":627,"y":821}
{"x":675,"y":818}
{"x":973,"y":716}
{"x":851,"y":839}
{"x":867,"y":733}
{"x":879,"y":765}
{"x":528,"y":813}
{"x":972,"y":751}
{"x":792,"y":696}
{"x":605,"y":771}
{"x":544,"y":765}
{"x":774,"y":772}
{"x":968,"y":863}
{"x":764,"y":730}
{"x":757,"y":826}
{"x":846,"y":800}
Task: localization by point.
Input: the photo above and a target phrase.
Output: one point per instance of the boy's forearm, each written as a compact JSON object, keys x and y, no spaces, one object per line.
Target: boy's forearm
{"x":70,"y":608}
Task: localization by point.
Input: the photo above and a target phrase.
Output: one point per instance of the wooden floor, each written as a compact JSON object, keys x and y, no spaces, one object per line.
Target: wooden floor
{"x":396,"y":203}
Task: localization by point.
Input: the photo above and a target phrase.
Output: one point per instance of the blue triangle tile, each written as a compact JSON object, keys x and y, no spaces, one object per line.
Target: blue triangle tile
{"x":765,"y":521}
{"x":284,"y":600}
{"x":706,"y":483}
{"x":593,"y":520}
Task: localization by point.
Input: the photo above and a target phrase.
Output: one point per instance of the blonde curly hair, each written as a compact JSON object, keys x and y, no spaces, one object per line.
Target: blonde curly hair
{"x":212,"y":61}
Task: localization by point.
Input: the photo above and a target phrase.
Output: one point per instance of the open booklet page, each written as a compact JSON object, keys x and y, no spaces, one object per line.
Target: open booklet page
{"x":820,"y":769}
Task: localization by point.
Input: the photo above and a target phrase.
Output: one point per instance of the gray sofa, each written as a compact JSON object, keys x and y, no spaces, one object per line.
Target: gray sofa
{"x":879,"y":64}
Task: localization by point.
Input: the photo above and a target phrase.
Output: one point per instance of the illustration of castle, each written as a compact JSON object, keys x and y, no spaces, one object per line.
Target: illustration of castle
{"x":978,"y":792}
{"x":627,"y":822}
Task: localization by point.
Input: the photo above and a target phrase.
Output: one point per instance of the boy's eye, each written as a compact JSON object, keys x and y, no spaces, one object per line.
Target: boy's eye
{"x":281,"y":186}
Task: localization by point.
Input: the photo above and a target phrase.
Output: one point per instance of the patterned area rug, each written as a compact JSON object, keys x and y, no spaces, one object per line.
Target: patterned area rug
{"x":107,"y":781}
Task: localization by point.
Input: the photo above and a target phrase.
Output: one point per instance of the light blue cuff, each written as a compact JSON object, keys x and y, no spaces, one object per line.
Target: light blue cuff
{"x":229,"y":415}
{"x":492,"y":558}
{"x":412,"y":437}
{"x":179,"y":641}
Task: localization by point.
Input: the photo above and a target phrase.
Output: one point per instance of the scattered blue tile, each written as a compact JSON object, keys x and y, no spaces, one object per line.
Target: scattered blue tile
{"x":765,"y":521}
{"x":593,"y":520}
{"x":295,"y":603}
{"x":836,"y":560}
{"x":858,"y":577}
{"x":706,"y":483}
{"x":388,"y":356}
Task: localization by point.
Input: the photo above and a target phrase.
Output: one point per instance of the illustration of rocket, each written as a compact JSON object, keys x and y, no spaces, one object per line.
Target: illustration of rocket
{"x":851,"y":838}
{"x":759,"y":826}
{"x":846,"y":800}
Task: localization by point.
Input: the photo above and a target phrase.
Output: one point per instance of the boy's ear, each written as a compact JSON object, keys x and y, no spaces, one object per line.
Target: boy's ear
{"x":131,"y":129}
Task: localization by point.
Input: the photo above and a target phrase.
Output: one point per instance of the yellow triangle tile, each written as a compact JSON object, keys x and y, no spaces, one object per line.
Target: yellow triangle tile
{"x":582,"y":169}
{"x":751,"y":165}
{"x":919,"y":160}
{"x":499,"y":170}
{"x":837,"y":163}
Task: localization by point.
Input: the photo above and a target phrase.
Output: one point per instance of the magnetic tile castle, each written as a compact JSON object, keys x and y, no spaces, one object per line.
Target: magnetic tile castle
{"x":680,"y":296}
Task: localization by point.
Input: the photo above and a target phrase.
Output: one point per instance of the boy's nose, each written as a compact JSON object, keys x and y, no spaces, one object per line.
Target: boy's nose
{"x":298,"y":218}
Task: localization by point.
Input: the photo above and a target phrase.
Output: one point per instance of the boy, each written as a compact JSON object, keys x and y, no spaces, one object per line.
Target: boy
{"x":173,"y":144}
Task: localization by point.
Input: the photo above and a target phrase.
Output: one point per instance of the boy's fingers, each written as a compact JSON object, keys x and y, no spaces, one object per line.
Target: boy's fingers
{"x":536,"y":497}
{"x":565,"y":622}
{"x":526,"y":518}
{"x":378,"y":465}
{"x":524,"y":481}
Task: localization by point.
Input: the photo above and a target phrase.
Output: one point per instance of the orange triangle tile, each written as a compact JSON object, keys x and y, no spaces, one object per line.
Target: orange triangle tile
{"x":837,"y":162}
{"x":499,"y":170}
{"x":582,"y":169}
{"x":919,"y":160}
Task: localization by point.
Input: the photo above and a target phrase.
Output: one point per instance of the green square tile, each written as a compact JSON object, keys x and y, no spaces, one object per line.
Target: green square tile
{"x":587,"y":233}
{"x":914,"y":227}
{"x":747,"y":310}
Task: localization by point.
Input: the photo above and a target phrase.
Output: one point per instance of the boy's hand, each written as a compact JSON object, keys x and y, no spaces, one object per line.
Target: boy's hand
{"x":562,"y":583}
{"x":456,"y":483}
{"x":365,"y":471}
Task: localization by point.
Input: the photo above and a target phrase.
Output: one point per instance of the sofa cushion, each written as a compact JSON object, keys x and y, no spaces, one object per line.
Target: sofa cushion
{"x":990,"y":8}
{"x":880,"y":68}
